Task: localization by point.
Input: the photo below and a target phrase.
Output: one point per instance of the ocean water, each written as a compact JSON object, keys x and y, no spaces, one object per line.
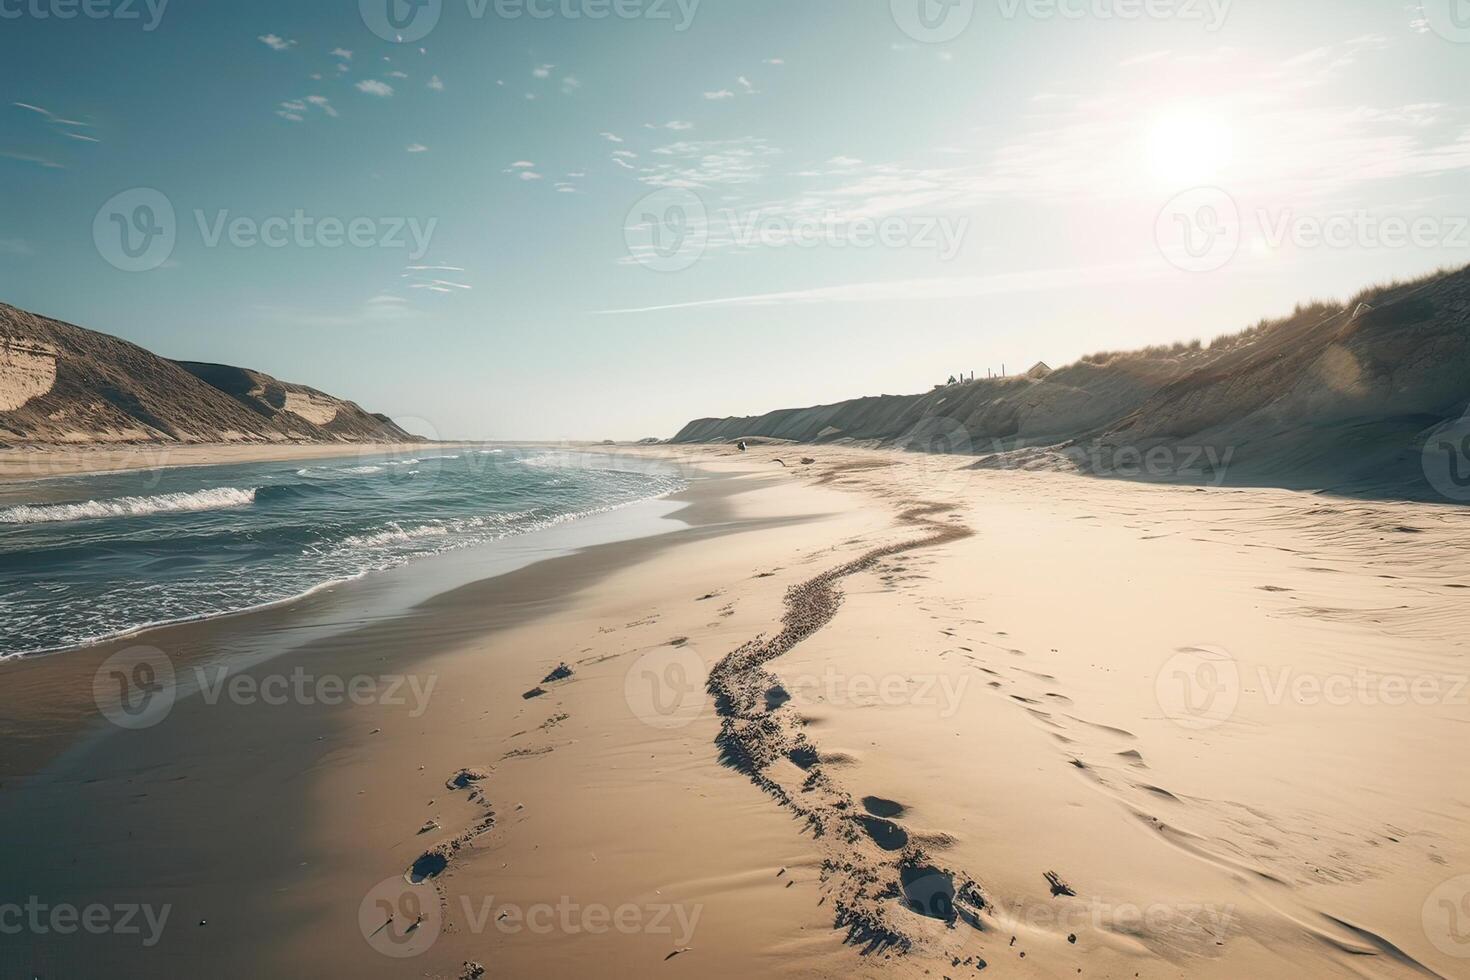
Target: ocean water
{"x":87,"y":558}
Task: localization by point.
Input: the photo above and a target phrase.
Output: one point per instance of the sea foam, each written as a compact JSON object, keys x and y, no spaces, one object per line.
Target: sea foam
{"x":167,"y":503}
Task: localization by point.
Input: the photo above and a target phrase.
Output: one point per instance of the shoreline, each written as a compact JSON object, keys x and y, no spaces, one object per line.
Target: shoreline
{"x":28,"y":463}
{"x":960,"y":676}
{"x":196,"y":740}
{"x":43,"y":462}
{"x":493,"y":566}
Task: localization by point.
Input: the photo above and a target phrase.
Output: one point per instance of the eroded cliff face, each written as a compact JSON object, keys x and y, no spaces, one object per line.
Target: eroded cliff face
{"x":61,"y":383}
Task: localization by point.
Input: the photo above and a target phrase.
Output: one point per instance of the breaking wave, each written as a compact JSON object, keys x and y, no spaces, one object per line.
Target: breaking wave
{"x":166,"y":503}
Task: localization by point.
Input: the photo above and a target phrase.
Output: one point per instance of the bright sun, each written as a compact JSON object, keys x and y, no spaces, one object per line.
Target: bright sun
{"x":1190,"y":148}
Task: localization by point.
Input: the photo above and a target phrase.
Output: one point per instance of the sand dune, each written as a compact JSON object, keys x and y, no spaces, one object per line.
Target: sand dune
{"x":1340,"y":397}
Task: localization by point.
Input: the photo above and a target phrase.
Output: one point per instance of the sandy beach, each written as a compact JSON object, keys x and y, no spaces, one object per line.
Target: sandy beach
{"x":880,"y":714}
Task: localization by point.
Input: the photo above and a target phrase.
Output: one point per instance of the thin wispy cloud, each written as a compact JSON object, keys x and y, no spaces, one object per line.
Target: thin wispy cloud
{"x":915,"y":290}
{"x":416,"y":148}
{"x":60,"y":124}
{"x":43,"y":162}
{"x":707,"y":163}
{"x":275,"y":42}
{"x":372,"y":86}
{"x":342,"y":53}
{"x":723,"y":93}
{"x":436,"y":84}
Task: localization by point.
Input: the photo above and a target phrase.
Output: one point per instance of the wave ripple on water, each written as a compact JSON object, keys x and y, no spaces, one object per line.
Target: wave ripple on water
{"x":163,"y":503}
{"x":86,"y":558}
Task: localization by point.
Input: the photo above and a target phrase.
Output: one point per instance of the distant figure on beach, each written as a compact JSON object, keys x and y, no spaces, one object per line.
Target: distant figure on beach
{"x":741,"y":445}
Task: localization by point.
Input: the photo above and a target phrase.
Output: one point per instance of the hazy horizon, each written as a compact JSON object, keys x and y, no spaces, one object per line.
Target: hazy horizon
{"x":576,"y":226}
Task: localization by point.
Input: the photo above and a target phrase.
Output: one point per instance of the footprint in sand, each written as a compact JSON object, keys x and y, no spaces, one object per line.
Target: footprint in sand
{"x":879,"y":807}
{"x":885,"y":833}
{"x":430,"y":864}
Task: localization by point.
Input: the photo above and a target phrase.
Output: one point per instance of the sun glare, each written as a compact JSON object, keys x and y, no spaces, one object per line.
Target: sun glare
{"x":1189,"y":148}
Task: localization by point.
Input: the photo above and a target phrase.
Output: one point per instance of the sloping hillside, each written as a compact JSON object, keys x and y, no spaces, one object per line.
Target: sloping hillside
{"x":61,"y":383}
{"x":1339,"y":397}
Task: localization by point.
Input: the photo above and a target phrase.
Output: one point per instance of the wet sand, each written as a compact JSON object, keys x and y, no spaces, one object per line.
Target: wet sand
{"x":879,"y":715}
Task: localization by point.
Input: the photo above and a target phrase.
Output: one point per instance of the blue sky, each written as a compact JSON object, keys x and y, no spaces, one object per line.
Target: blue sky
{"x":718,"y":207}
